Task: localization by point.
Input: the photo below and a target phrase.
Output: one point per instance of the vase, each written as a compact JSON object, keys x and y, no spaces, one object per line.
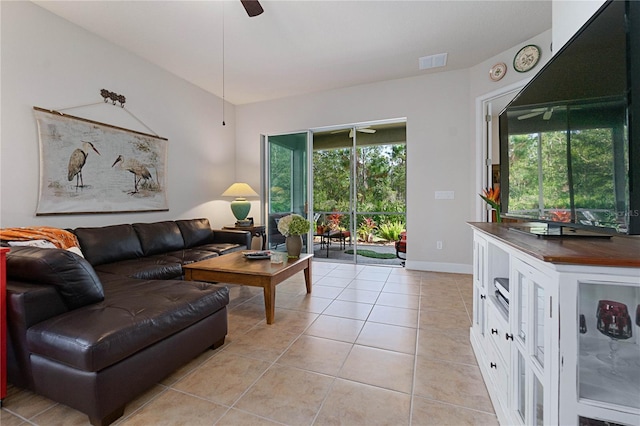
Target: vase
{"x":294,"y":245}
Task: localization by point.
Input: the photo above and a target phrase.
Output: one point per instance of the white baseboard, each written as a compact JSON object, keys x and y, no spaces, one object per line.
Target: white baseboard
{"x":454,"y":268}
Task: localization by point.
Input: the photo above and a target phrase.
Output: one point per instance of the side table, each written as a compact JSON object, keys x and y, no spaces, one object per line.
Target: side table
{"x":3,"y":323}
{"x":258,"y":231}
{"x":327,"y":236}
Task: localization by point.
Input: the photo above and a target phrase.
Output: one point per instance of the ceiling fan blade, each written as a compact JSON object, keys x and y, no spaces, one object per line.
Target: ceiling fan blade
{"x":252,"y":7}
{"x":547,"y":114}
{"x":530,"y":115}
{"x":366,"y":130}
{"x":351,"y":133}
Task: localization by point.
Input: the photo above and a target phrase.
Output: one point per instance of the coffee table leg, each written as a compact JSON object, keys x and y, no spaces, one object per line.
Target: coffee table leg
{"x":270,"y":302}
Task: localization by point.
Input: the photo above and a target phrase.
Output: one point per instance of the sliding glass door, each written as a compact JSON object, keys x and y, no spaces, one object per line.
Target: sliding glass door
{"x":359,"y":192}
{"x":285,"y":183}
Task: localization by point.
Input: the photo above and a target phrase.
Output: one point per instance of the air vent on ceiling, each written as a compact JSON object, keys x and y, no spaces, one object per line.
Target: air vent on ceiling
{"x":432,"y":61}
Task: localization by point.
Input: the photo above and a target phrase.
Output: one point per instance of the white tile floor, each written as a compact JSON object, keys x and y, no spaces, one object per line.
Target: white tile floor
{"x":370,"y":346}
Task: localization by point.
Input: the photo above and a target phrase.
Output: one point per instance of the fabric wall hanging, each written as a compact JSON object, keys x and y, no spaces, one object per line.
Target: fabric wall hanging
{"x":92,"y":167}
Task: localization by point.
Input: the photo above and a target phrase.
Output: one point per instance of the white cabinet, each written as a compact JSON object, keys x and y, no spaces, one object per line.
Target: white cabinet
{"x":601,"y":383}
{"x":491,"y":329}
{"x":479,"y":286}
{"x":565,"y":349}
{"x":499,"y":351}
{"x":534,"y":322}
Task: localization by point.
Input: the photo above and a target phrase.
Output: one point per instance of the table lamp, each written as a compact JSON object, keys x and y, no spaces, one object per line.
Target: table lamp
{"x":240,"y":206}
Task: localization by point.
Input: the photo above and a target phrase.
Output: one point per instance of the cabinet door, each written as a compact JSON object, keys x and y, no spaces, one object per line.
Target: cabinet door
{"x":479,"y":284}
{"x":600,"y":375}
{"x":535,"y":333}
{"x":498,"y":350}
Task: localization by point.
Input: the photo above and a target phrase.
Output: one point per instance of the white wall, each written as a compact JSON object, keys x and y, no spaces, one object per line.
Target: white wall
{"x":51,"y":63}
{"x":438,"y":154}
{"x":441,"y":145}
{"x":482,"y":88}
{"x":568,"y":17}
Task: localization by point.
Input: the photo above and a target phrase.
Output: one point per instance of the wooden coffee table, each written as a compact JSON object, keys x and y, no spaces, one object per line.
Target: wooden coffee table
{"x":234,"y":268}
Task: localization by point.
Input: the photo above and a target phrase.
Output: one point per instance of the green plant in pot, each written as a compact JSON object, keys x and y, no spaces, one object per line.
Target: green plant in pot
{"x":293,"y":227}
{"x":321,"y":228}
{"x":366,"y":228}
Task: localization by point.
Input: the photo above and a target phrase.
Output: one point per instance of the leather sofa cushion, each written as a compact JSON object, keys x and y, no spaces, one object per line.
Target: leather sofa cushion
{"x":222,"y":248}
{"x":195,"y":232}
{"x":159,"y":237}
{"x":157,"y":267}
{"x":133,"y":316}
{"x":191,"y":255}
{"x":107,"y":244}
{"x":73,"y":277}
{"x":166,"y":266}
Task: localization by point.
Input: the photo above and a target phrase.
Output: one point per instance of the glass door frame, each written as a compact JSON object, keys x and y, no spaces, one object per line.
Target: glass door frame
{"x":265,"y":184}
{"x":353,"y":208}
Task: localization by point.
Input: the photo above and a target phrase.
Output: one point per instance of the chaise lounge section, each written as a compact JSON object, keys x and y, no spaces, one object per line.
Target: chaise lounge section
{"x":95,"y":332}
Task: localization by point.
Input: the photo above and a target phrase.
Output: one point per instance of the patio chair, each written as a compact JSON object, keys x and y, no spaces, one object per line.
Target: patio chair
{"x":401,"y":247}
{"x":275,"y":237}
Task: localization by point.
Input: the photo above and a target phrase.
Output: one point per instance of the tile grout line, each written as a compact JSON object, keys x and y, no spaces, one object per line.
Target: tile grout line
{"x":336,"y":376}
{"x":460,"y":286}
{"x":274,"y":362}
{"x":415,"y":356}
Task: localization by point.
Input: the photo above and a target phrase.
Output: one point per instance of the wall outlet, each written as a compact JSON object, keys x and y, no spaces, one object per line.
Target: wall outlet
{"x":439,"y":245}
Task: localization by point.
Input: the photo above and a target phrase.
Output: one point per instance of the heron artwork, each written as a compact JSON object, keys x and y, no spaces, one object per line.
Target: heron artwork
{"x":77,"y":160}
{"x":138,"y":170}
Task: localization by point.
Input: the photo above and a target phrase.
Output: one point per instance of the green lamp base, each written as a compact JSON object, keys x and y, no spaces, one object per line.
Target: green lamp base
{"x":240,"y":208}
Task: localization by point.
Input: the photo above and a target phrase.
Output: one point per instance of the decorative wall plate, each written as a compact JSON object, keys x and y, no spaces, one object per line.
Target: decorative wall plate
{"x":498,"y":71}
{"x":526,"y":58}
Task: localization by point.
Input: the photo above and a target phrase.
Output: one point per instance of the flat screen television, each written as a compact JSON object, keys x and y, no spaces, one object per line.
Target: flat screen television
{"x":570,"y":140}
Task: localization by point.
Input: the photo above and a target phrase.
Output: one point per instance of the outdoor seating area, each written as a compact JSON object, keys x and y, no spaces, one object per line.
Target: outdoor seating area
{"x":401,"y":247}
{"x":338,"y":236}
{"x":333,"y":241}
{"x":368,"y":253}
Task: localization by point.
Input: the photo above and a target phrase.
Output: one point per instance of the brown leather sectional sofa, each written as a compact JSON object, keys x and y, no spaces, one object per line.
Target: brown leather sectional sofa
{"x":95,"y":332}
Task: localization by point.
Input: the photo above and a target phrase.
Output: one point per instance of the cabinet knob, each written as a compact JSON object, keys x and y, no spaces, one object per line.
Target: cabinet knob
{"x":508,"y":336}
{"x":493,"y":365}
{"x":483,"y":296}
{"x":494,"y":331}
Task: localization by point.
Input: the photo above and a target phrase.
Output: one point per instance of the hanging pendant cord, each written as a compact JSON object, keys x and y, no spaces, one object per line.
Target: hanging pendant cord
{"x":223,"y":97}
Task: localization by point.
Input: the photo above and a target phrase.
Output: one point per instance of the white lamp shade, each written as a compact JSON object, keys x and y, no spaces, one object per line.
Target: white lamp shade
{"x":239,"y":190}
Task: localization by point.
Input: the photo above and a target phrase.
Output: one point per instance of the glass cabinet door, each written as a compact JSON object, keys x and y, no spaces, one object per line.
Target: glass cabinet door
{"x":479,"y":284}
{"x":609,"y":344}
{"x":522,"y":290}
{"x":536,"y":344}
{"x":521,"y":388}
{"x":538,"y":402}
{"x":538,"y":324}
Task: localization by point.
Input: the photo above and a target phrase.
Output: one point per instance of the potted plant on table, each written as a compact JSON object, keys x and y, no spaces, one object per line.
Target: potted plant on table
{"x":293,"y":227}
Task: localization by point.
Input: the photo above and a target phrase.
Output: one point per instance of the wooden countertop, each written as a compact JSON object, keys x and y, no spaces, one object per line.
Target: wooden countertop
{"x":614,"y":251}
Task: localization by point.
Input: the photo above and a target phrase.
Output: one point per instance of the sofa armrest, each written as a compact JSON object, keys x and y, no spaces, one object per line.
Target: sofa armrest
{"x":232,"y":236}
{"x":30,"y":304}
{"x":27,"y":304}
